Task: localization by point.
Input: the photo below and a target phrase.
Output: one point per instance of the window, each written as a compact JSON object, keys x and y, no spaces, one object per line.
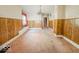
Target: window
{"x":24,"y":20}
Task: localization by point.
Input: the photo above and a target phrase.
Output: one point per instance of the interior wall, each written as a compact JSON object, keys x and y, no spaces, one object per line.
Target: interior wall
{"x":59,"y":11}
{"x":49,"y":9}
{"x":10,"y":11}
{"x":33,"y":14}
{"x":9,"y":28}
{"x":33,"y":11}
{"x":72,"y":11}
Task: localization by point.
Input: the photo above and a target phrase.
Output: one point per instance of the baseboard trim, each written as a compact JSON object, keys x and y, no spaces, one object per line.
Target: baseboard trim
{"x":70,"y":41}
{"x":14,"y":38}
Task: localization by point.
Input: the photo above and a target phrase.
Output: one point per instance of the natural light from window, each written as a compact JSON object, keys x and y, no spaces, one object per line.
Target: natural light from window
{"x":24,"y":20}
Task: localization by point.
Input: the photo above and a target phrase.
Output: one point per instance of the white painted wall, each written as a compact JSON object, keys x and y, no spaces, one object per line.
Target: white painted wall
{"x":10,"y":11}
{"x":49,"y":9}
{"x":56,"y":11}
{"x":59,"y":11}
{"x":72,"y":11}
{"x":32,"y":11}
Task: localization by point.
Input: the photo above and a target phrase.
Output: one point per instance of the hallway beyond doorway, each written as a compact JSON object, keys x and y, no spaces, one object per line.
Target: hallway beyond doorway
{"x":40,"y":40}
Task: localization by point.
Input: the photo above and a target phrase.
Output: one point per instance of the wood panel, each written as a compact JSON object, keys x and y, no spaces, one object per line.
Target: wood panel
{"x":31,"y":23}
{"x":18,"y":25}
{"x":75,"y":34}
{"x":34,"y":24}
{"x":58,"y":26}
{"x":68,"y":27}
{"x":71,"y":31}
{"x":55,"y":26}
{"x":50,"y":23}
{"x":9,"y":27}
{"x":0,"y":33}
{"x":38,"y":24}
{"x":3,"y":31}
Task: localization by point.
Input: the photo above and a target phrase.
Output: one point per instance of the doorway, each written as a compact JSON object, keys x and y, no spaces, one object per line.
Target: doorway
{"x":45,"y":22}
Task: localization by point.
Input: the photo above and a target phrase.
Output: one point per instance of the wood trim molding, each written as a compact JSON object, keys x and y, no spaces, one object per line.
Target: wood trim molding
{"x":67,"y":39}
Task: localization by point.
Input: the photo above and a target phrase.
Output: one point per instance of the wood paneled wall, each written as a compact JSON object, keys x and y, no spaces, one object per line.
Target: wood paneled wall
{"x":58,"y":26}
{"x":50,"y":23}
{"x":75,"y":34}
{"x":3,"y":30}
{"x":71,"y":31}
{"x":9,"y":28}
{"x":66,"y":27}
{"x":34,"y":24}
{"x":18,"y":25}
